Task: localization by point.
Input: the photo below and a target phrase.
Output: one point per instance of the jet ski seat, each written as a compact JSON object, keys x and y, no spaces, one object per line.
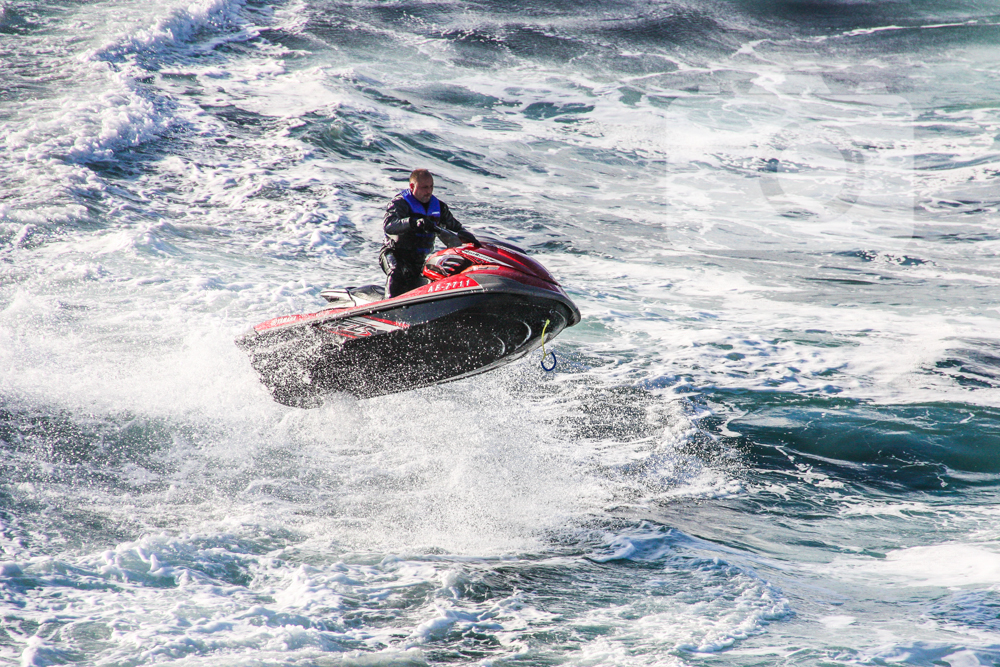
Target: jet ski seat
{"x":348,"y":297}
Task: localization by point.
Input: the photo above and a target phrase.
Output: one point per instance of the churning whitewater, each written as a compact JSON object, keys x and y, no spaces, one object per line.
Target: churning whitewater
{"x":773,"y":439}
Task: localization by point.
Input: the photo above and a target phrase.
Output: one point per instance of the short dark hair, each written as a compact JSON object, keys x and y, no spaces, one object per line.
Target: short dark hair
{"x":418,"y":175}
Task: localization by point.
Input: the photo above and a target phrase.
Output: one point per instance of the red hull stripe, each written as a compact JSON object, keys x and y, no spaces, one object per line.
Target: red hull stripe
{"x":459,"y":283}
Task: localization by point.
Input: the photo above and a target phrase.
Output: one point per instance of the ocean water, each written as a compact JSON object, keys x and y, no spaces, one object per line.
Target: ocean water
{"x":774,"y":439}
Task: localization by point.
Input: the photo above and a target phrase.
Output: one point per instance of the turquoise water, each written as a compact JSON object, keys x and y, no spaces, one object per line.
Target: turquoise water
{"x":772,"y":440}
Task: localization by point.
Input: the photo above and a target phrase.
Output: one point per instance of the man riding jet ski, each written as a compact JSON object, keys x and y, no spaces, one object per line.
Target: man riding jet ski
{"x":412,"y":220}
{"x":476,"y":305}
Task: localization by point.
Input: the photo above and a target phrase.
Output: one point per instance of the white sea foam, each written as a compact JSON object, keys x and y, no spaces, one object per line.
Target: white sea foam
{"x":177,"y":599}
{"x":102,"y":109}
{"x":636,"y":634}
{"x":180,"y":25}
{"x":941,"y":565}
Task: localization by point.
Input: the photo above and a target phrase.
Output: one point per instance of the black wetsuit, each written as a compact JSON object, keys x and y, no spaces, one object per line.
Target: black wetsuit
{"x":406,"y":247}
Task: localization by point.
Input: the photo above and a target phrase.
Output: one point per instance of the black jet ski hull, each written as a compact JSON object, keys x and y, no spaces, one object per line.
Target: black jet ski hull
{"x":406,"y":347}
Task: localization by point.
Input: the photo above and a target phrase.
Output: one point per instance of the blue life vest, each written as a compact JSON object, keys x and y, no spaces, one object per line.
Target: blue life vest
{"x":432,"y":210}
{"x":424,"y":242}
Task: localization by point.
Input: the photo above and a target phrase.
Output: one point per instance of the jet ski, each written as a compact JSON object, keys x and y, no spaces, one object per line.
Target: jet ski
{"x":483,"y":305}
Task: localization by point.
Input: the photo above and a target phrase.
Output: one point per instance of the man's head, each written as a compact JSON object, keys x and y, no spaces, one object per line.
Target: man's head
{"x":422,"y":185}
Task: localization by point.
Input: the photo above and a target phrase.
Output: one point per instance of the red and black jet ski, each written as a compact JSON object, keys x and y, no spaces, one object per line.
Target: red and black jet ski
{"x":483,"y":306}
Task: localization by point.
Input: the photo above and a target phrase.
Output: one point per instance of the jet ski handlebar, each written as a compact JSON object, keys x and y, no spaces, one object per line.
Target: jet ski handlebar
{"x":451,"y":240}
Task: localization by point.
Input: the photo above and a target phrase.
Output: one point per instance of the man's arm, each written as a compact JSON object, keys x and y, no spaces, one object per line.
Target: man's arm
{"x":448,"y":221}
{"x":397,"y":217}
